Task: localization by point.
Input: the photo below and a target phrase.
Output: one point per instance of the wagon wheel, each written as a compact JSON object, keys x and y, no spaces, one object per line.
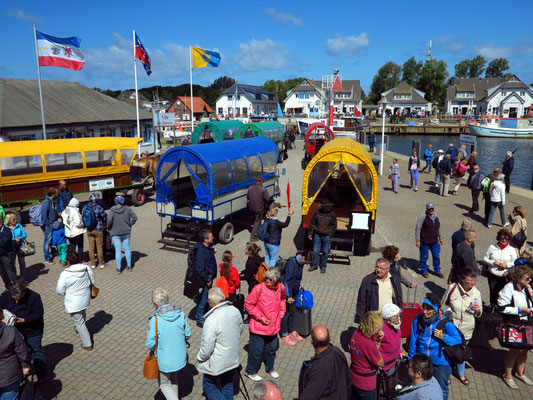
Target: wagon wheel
{"x":226,"y":233}
{"x":138,"y":197}
{"x":16,"y":213}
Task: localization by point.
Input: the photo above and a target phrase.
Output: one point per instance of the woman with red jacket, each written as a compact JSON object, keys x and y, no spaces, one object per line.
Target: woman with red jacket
{"x":230,"y":275}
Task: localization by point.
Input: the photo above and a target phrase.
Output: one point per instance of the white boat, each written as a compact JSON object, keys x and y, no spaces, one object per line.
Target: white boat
{"x":502,"y":127}
{"x":339,"y":124}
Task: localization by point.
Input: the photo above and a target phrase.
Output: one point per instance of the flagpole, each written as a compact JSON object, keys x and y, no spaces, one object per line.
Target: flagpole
{"x":192,"y":97}
{"x":136,"y":97}
{"x":39,"y":79}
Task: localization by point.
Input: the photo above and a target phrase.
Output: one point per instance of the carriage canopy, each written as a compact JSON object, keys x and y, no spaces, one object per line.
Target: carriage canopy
{"x":271,"y":129}
{"x":317,"y":134}
{"x":215,"y":168}
{"x":215,"y":131}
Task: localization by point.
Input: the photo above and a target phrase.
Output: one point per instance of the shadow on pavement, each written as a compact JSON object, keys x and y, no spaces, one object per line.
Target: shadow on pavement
{"x":410,"y":263}
{"x":185,"y":382}
{"x":34,"y":271}
{"x":55,"y":352}
{"x":98,"y":321}
{"x":136,"y":256}
{"x":435,"y":289}
{"x":300,"y":239}
{"x":475,"y":217}
{"x":488,"y":362}
{"x":346,"y":336}
{"x":462,"y":206}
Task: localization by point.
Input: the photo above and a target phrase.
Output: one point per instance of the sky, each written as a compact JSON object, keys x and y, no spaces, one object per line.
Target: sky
{"x":263,"y":40}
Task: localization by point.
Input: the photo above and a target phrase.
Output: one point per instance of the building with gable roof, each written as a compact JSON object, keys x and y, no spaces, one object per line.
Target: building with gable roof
{"x":501,"y":97}
{"x":246,"y":100}
{"x":404,"y":99}
{"x":181,"y":106}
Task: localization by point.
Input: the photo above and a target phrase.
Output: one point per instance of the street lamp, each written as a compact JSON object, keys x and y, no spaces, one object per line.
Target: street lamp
{"x":383,"y":105}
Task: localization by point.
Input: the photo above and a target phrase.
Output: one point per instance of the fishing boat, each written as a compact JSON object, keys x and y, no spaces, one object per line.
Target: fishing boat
{"x":502,"y":127}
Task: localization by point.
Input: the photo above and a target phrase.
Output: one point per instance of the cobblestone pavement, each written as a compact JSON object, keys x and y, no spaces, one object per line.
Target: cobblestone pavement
{"x":118,"y":318}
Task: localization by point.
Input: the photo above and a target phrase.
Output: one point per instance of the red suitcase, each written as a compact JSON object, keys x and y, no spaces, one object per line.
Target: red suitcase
{"x":409,"y":312}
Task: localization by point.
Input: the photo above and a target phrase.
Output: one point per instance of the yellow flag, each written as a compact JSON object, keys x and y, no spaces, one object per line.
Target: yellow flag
{"x":204,"y":58}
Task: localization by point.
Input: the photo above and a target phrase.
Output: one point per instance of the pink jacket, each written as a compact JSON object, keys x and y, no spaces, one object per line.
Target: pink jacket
{"x":267,"y":302}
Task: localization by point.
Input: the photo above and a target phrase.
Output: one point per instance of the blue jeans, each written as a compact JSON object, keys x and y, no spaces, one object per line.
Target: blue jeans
{"x":394,"y":180}
{"x":287,"y":322}
{"x":37,"y":355}
{"x":493,"y":207}
{"x":200,"y":308}
{"x":428,"y":166}
{"x":211,"y":390}
{"x":437,"y":177}
{"x":47,"y":241}
{"x":321,"y":246}
{"x":424,"y":255}
{"x":261,"y":345}
{"x":10,"y":392}
{"x":442,"y":374}
{"x":123,"y":240}
{"x":414,"y":177}
{"x":461,"y":367}
{"x":360,"y":394}
{"x":271,"y":254}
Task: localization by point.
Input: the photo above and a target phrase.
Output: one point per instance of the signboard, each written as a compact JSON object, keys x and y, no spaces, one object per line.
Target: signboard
{"x":360,"y":221}
{"x":100,"y":184}
{"x":469,"y":140}
{"x":166,"y":119}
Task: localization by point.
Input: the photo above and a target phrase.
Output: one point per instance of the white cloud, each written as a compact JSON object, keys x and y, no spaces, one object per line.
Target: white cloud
{"x":265,"y":54}
{"x":23,"y":15}
{"x":490,"y":51}
{"x":284,"y":17}
{"x":347,"y":45}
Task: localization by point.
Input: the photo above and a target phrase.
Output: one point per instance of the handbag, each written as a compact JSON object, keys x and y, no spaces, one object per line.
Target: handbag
{"x":28,"y":249}
{"x":515,"y":335}
{"x":94,"y":289}
{"x":304,"y":299}
{"x":28,"y":392}
{"x":151,"y":368}
{"x":519,"y":239}
{"x":390,"y":176}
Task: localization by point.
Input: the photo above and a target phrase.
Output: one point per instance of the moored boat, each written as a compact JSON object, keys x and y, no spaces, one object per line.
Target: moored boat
{"x":502,"y":127}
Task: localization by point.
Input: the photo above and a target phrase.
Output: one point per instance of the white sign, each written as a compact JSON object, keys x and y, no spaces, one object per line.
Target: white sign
{"x":468,"y":140}
{"x":166,"y":119}
{"x":360,"y":221}
{"x":100,"y":184}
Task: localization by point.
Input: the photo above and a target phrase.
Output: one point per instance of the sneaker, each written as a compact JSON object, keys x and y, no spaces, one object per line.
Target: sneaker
{"x":287,"y":340}
{"x":437,"y":185}
{"x":424,"y":274}
{"x":129,"y":269}
{"x":93,"y":266}
{"x":255,"y":377}
{"x":510,"y":382}
{"x":506,"y":225}
{"x":49,"y":262}
{"x":439,"y":274}
{"x":119,"y":272}
{"x":295,"y":336}
{"x":87,"y":348}
{"x":312,"y":269}
{"x":102,"y":266}
{"x":525,"y":379}
{"x":489,"y":226}
{"x":274,"y":374}
{"x":323,"y":271}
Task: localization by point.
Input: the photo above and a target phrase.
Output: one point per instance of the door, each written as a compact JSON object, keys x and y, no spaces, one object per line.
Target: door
{"x":513,"y":112}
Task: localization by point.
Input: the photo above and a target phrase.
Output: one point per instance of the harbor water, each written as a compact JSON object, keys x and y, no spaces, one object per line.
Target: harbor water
{"x":491,"y":152}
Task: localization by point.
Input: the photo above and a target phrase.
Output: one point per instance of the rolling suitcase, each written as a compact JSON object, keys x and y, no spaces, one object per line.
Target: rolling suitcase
{"x":302,"y":321}
{"x":409,"y":312}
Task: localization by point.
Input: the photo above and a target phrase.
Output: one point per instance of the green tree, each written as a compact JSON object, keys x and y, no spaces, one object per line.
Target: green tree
{"x":387,"y":77}
{"x":477,"y":67}
{"x":461,"y":69}
{"x":432,"y":80}
{"x":411,"y":71}
{"x":497,"y":67}
{"x":222,"y":83}
{"x":280,"y":88}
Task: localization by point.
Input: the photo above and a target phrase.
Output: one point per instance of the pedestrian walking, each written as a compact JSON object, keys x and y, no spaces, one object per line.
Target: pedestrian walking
{"x":428,"y":238}
{"x":167,"y":336}
{"x":427,"y":339}
{"x":19,"y":239}
{"x":518,"y":229}
{"x":459,"y":235}
{"x":206,"y":268}
{"x":423,"y":383}
{"x":258,"y":202}
{"x":485,"y":183}
{"x":394,"y":174}
{"x":459,"y":171}
{"x":464,"y":257}
{"x":452,"y":151}
{"x":326,"y":375}
{"x":500,"y":257}
{"x":497,"y":200}
{"x":292,"y":139}
{"x":75,"y":284}
{"x":74,"y":227}
{"x":49,"y":216}
{"x":371,"y":139}
{"x":59,"y":241}
{"x":64,"y":195}
{"x":266,"y":305}
{"x":413,"y":168}
{"x":428,"y":157}
{"x":462,"y":153}
{"x":95,"y":220}
{"x":435,"y":165}
{"x":444,"y":169}
{"x":321,"y":229}
{"x":392,"y":255}
{"x":7,"y":251}
{"x":474,"y":183}
{"x":391,"y":347}
{"x":507,"y":170}
{"x":230,"y":275}
{"x":253,"y":262}
{"x":377,"y":289}
{"x":119,"y":223}
{"x":274,"y":229}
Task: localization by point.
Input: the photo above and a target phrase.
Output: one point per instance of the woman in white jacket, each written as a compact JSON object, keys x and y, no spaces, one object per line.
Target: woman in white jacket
{"x":74,"y":227}
{"x":75,"y":285}
{"x":497,"y":200}
{"x":499,"y":258}
{"x":515,"y":304}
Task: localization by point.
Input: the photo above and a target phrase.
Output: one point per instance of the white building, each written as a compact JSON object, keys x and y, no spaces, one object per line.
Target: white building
{"x":502,"y":97}
{"x":309,"y":99}
{"x":246,"y":100}
{"x":404,"y":99}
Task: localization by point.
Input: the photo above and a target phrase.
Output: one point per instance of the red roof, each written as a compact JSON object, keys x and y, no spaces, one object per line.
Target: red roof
{"x":199,"y":104}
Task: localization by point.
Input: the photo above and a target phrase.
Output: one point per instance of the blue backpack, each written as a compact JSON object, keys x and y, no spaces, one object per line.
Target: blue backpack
{"x":89,"y":218}
{"x":36,"y":215}
{"x":263,"y":234}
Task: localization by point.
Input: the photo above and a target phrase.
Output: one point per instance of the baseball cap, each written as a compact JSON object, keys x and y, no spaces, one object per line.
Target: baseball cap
{"x":440,"y":151}
{"x":429,"y":206}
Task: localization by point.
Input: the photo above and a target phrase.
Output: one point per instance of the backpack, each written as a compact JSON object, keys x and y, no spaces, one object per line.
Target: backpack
{"x":263,"y":234}
{"x":485,"y":184}
{"x":281,"y":263}
{"x":457,"y":354}
{"x":193,"y":284}
{"x":36,"y":215}
{"x":222,"y":284}
{"x":261,"y":272}
{"x":458,"y":171}
{"x":88,"y":217}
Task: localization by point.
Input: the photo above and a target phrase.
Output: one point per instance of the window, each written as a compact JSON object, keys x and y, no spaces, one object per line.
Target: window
{"x":311,"y":95}
{"x":245,"y":111}
{"x":297,"y":95}
{"x":63,"y":161}
{"x":307,"y":95}
{"x":230,"y":97}
{"x":220,"y":110}
{"x":21,"y":165}
{"x":104,"y":132}
{"x":126,"y":131}
{"x":318,"y":177}
{"x":522,"y":94}
{"x":270,"y":160}
{"x":100,"y":158}
{"x":254,"y":166}
{"x":362,"y":178}
{"x":126,"y":155}
{"x":240,"y":170}
{"x":221,"y":174}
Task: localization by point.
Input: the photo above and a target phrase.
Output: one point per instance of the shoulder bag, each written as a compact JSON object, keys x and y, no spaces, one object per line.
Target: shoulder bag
{"x":94,"y":289}
{"x":519,"y":239}
{"x":151,"y":368}
{"x":28,"y":248}
{"x":516,"y":334}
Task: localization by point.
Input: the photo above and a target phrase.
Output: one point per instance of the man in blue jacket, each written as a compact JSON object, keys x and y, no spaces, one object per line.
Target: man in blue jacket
{"x":428,"y":156}
{"x":7,"y":266}
{"x":206,"y":268}
{"x":49,"y":216}
{"x":427,"y":339}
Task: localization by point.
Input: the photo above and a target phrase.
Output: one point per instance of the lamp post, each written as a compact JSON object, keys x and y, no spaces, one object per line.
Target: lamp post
{"x":382,"y":138}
